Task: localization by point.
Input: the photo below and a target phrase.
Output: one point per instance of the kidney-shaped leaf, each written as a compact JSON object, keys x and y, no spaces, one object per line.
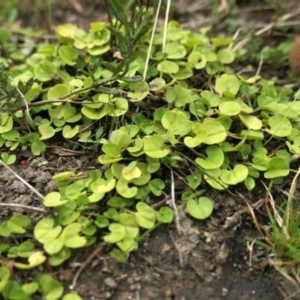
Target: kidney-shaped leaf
{"x":154,"y":147}
{"x":277,"y":167}
{"x":238,"y":174}
{"x":145,"y":215}
{"x":201,"y":209}
{"x":215,"y":158}
{"x":45,"y":230}
{"x":215,"y":132}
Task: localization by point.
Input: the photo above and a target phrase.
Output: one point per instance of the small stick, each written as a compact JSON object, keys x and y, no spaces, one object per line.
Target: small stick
{"x":151,"y":40}
{"x":260,"y":62}
{"x":24,"y":206}
{"x":23,"y":98}
{"x":174,"y":204}
{"x":84,"y":265}
{"x":21,"y":179}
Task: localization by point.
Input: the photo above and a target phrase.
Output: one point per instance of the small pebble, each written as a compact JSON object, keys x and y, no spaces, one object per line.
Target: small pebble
{"x":130,"y":280}
{"x":110,"y":282}
{"x":193,"y":238}
{"x":134,"y":287}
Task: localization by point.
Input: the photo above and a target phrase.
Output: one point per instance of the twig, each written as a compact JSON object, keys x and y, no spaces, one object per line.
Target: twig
{"x":42,"y":210}
{"x":271,"y":200}
{"x":21,"y":179}
{"x":166,"y":26}
{"x":174,"y":204}
{"x":292,"y":295}
{"x":23,"y":98}
{"x":250,"y":249}
{"x":255,"y":220}
{"x":151,"y":39}
{"x":293,"y":185}
{"x":84,"y":265}
{"x":261,"y":60}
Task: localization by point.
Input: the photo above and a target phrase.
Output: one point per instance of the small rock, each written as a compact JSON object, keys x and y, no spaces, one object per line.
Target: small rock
{"x":130,"y":280}
{"x":110,"y":282}
{"x":193,"y":238}
{"x":135,"y":287}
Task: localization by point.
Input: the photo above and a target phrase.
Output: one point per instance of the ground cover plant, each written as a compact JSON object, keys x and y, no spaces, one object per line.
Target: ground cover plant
{"x":150,"y":112}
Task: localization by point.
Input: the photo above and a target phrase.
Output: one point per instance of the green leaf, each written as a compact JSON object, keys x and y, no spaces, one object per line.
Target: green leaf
{"x":229,"y":108}
{"x":140,"y":91}
{"x":58,"y":91}
{"x":145,"y":215}
{"x":124,"y":190}
{"x":4,"y":277}
{"x":165,"y":215}
{"x":71,"y":296}
{"x":45,"y":230}
{"x":44,"y":71}
{"x":68,"y":54}
{"x":215,"y":158}
{"x":130,"y":224}
{"x":111,"y":149}
{"x":50,"y":288}
{"x":25,"y":249}
{"x":120,"y":138}
{"x":200,"y":209}
{"x":101,"y":221}
{"x":228,"y":85}
{"x":277,"y":167}
{"x":11,"y":135}
{"x":30,"y":288}
{"x":120,"y":107}
{"x":71,"y":236}
{"x":13,"y":290}
{"x":154,"y":147}
{"x":168,"y":67}
{"x":249,"y":183}
{"x":118,"y":10}
{"x":117,"y":233}
{"x":18,"y":223}
{"x":112,"y":214}
{"x":63,"y":176}
{"x":116,"y":202}
{"x":103,"y":186}
{"x":201,"y":135}
{"x":233,"y":177}
{"x":8,"y":159}
{"x":252,"y":135}
{"x":58,"y":258}
{"x":251,"y":122}
{"x":195,"y":179}
{"x":46,"y":131}
{"x":53,"y":199}
{"x":69,"y":132}
{"x":175,"y":50}
{"x":156,"y":186}
{"x":215,"y":132}
{"x":280,"y":126}
{"x":180,"y":96}
{"x":225,"y":56}
{"x":127,"y":244}
{"x":72,"y":192}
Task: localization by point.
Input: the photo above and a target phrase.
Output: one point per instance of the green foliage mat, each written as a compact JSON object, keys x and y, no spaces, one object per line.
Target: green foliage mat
{"x":186,"y":113}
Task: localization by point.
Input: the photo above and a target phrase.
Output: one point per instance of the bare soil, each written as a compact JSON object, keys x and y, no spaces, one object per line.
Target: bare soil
{"x":166,"y":266}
